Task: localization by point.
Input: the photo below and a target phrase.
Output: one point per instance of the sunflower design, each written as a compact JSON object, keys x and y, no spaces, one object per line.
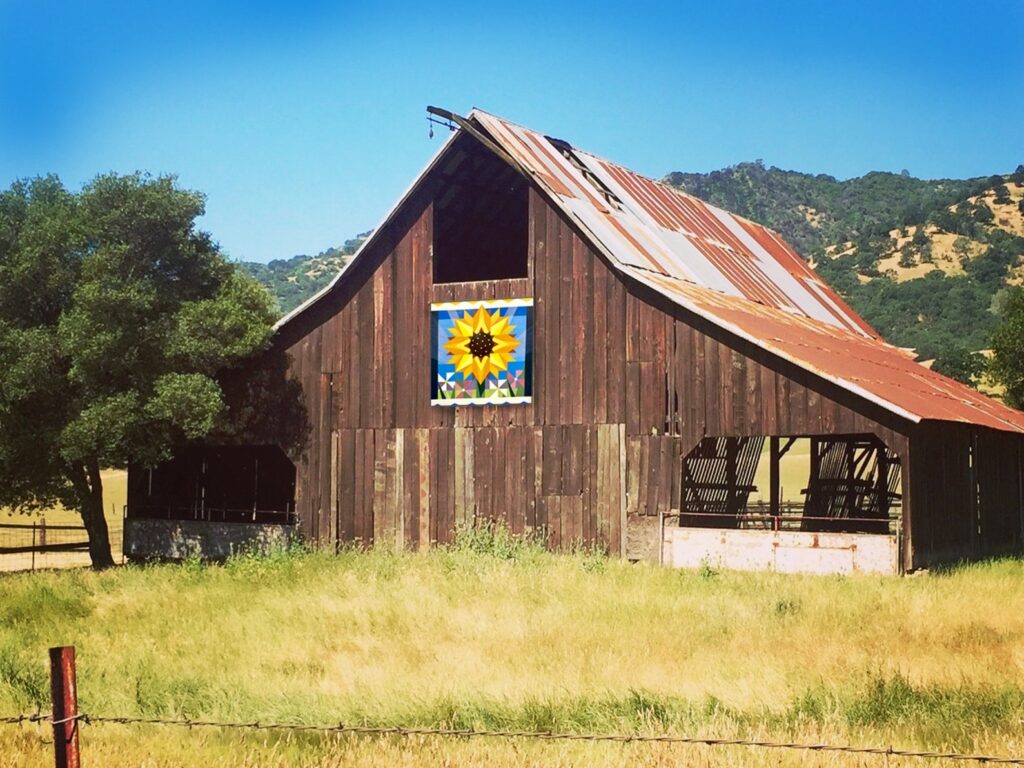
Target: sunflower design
{"x":481,"y":344}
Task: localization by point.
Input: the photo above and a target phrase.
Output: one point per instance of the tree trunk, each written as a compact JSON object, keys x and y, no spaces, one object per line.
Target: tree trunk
{"x":89,"y":485}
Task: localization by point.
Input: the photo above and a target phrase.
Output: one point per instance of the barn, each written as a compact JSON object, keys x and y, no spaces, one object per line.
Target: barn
{"x":539,"y":337}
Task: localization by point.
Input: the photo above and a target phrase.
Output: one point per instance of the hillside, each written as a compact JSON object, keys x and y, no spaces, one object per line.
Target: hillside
{"x":923,"y":261}
{"x":292,"y":281}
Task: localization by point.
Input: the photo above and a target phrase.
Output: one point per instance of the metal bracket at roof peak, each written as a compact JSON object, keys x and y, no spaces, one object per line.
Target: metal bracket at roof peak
{"x":477,"y":134}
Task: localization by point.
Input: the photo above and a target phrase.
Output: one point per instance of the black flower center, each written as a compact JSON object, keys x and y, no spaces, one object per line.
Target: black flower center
{"x":481,"y":344}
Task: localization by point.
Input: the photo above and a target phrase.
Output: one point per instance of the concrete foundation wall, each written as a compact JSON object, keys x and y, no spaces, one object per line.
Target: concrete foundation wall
{"x":179,"y":539}
{"x":783,"y":551}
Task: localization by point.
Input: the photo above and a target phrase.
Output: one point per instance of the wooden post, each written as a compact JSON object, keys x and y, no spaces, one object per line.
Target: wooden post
{"x":811,"y":499}
{"x":775,"y":500}
{"x":851,"y":472}
{"x":64,"y":696}
{"x":731,"y":508}
{"x":882,"y":484}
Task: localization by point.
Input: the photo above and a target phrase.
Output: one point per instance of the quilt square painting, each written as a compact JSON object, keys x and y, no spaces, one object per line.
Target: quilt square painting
{"x":482,"y":352}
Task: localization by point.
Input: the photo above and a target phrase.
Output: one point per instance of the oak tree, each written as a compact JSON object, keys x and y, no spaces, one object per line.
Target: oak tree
{"x":116,"y":315}
{"x":1007,"y":364}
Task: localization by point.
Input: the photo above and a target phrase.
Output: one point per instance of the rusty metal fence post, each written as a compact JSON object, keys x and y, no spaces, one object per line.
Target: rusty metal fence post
{"x":64,"y":694}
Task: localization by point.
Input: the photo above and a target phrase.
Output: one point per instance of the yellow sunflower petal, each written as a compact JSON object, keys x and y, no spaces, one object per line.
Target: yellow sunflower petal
{"x":481,"y":368}
{"x":457,"y":347}
{"x":463,"y":327}
{"x":498,"y":325}
{"x":482,"y":320}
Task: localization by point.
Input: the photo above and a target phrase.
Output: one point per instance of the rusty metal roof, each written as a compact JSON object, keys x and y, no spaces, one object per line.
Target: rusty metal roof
{"x":739,"y":275}
{"x":877,"y":371}
{"x":652,"y":226}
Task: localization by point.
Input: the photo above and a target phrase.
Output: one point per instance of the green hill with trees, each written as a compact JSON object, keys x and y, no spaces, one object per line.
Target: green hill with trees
{"x":292,"y":281}
{"x":926,"y":262}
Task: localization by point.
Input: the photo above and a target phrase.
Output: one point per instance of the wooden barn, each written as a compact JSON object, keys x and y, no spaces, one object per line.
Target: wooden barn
{"x":539,"y":337}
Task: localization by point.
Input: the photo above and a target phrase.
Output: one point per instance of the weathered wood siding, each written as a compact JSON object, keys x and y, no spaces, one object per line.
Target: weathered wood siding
{"x":687,"y":379}
{"x":385,"y":466}
{"x":966,"y":485}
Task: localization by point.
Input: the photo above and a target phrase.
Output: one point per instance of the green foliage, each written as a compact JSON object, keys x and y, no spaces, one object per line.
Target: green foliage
{"x":947,"y":319}
{"x":1007,"y":364}
{"x":292,"y":281}
{"x":851,"y":210}
{"x":191,"y":401}
{"x":493,"y":539}
{"x":116,"y":317}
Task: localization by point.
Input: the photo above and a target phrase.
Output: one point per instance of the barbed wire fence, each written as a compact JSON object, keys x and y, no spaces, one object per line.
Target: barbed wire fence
{"x":66,"y":721}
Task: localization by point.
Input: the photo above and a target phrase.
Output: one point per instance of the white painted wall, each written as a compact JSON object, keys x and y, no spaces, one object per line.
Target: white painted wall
{"x":782,"y":551}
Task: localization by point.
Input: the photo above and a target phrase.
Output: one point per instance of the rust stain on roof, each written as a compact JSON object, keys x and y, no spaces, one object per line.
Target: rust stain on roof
{"x":871,"y":368}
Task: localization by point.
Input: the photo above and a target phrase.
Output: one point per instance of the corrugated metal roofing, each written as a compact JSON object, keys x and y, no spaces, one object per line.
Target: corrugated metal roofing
{"x":741,"y":276}
{"x":738,"y":274}
{"x":652,"y":226}
{"x":868,"y":367}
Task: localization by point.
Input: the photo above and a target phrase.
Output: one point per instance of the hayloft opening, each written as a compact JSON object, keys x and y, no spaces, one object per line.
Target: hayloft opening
{"x":481,"y":215}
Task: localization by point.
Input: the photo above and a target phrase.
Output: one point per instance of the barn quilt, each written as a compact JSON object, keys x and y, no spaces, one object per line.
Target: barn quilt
{"x":482,"y":352}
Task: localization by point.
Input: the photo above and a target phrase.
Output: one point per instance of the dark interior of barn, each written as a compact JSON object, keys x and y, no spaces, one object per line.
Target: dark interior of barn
{"x":852,"y":485}
{"x":230,"y":484}
{"x":480,"y":217}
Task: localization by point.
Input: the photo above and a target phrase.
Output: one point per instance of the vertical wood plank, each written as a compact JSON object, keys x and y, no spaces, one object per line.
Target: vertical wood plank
{"x":423,"y":465}
{"x":619,"y":530}
{"x":582,"y":363}
{"x":346,"y":484}
{"x":334,"y":533}
{"x":397,"y":471}
{"x":598,"y":342}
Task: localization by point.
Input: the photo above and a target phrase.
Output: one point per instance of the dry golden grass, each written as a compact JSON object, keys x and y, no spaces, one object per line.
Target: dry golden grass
{"x":1007,"y":215}
{"x":944,"y":256}
{"x":128,"y":746}
{"x":943,"y":246}
{"x":115,"y":493}
{"x":794,"y":470}
{"x":507,"y":636}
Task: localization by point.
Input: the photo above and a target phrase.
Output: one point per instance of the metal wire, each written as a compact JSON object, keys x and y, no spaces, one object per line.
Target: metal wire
{"x":385,"y":730}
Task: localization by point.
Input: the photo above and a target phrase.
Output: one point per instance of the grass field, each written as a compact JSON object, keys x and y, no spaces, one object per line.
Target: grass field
{"x":115,"y":493}
{"x":497,"y":634}
{"x":794,"y":469}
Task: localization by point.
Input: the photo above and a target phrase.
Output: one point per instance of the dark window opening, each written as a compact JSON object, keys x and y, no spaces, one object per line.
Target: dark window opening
{"x":481,"y":217}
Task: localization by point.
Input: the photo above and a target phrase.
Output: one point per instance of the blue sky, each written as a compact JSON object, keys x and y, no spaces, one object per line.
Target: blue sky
{"x":303,"y":123}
